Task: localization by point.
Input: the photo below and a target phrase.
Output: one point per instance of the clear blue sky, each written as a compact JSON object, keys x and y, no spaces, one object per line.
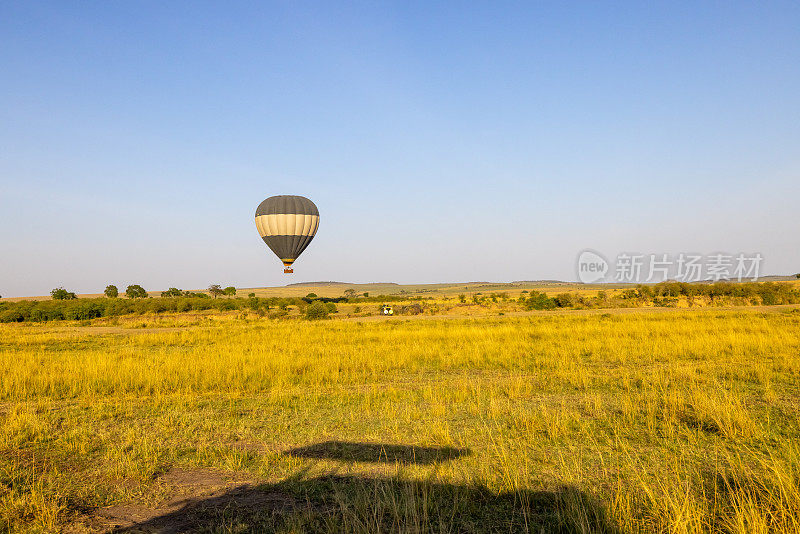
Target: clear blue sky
{"x":449,"y":142}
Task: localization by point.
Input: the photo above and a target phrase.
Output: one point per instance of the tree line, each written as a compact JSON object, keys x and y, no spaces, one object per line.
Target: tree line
{"x":668,"y":294}
{"x":92,"y":308}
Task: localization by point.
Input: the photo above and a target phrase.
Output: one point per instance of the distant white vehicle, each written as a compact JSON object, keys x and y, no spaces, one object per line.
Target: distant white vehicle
{"x":387,"y":310}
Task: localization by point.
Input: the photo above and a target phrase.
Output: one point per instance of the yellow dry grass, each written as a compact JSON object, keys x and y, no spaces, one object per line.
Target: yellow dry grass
{"x":676,"y":422}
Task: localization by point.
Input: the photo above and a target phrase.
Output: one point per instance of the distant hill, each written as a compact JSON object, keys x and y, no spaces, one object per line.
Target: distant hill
{"x":306,"y":284}
{"x":331,"y":283}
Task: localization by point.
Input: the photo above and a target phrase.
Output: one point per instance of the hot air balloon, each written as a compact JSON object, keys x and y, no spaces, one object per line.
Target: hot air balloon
{"x":287,"y":224}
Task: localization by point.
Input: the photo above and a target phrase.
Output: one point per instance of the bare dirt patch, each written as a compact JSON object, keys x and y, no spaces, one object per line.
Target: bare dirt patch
{"x":191,"y":497}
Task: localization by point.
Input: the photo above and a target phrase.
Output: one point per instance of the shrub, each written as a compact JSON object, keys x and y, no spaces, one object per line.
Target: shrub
{"x":226,"y":305}
{"x":156,"y":306}
{"x":117,"y":307}
{"x":411,"y":309}
{"x":84,"y":311}
{"x":564,"y":300}
{"x":331,"y":307}
{"x":11,"y":316}
{"x":317,"y":310}
{"x":202,"y":304}
{"x":539,"y":301}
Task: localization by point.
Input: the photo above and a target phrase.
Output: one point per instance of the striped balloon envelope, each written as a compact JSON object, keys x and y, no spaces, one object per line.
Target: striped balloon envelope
{"x":287,"y":224}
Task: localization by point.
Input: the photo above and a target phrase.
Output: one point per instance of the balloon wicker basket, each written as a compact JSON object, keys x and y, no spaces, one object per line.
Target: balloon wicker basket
{"x":288,"y":270}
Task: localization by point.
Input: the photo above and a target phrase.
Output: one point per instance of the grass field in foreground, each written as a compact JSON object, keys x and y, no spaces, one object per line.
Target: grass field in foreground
{"x":684,"y":421}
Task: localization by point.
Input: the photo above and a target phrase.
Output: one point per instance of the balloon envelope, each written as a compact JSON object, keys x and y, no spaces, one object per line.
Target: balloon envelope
{"x":287,"y":224}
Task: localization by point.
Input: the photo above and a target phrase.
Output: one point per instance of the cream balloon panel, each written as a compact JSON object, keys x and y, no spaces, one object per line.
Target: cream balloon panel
{"x":287,"y":224}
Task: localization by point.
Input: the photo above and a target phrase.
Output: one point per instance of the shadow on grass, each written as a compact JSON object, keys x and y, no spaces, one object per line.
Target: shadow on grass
{"x":347,"y":451}
{"x":366,"y":504}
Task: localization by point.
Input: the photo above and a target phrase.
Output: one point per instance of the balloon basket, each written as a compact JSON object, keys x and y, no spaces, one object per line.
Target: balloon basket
{"x":288,"y":270}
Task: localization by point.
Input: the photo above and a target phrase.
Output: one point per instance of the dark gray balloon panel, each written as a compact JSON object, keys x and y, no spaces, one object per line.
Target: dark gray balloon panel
{"x":287,"y":247}
{"x":287,"y":204}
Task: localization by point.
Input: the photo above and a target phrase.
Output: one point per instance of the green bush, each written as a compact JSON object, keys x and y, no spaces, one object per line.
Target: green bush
{"x":11,"y":316}
{"x":411,"y":309}
{"x":84,"y":311}
{"x":539,"y":301}
{"x":317,"y":310}
{"x":156,"y":306}
{"x":565,"y":300}
{"x":226,"y":305}
{"x":183,"y":305}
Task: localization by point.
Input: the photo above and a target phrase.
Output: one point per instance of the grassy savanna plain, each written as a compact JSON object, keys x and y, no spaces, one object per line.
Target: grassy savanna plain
{"x":598,"y":421}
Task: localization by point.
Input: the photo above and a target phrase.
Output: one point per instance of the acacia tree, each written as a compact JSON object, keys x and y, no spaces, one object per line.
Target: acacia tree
{"x":230,"y":291}
{"x":135,"y":291}
{"x":111,"y":291}
{"x":60,"y":293}
{"x":350,"y":293}
{"x":215,"y":290}
{"x":172,"y":292}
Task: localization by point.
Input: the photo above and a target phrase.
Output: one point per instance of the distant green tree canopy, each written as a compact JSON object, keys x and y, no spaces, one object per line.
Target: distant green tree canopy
{"x":60,"y":293}
{"x":230,"y":291}
{"x":111,"y":291}
{"x":215,"y":290}
{"x":172,"y":292}
{"x":135,"y":291}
